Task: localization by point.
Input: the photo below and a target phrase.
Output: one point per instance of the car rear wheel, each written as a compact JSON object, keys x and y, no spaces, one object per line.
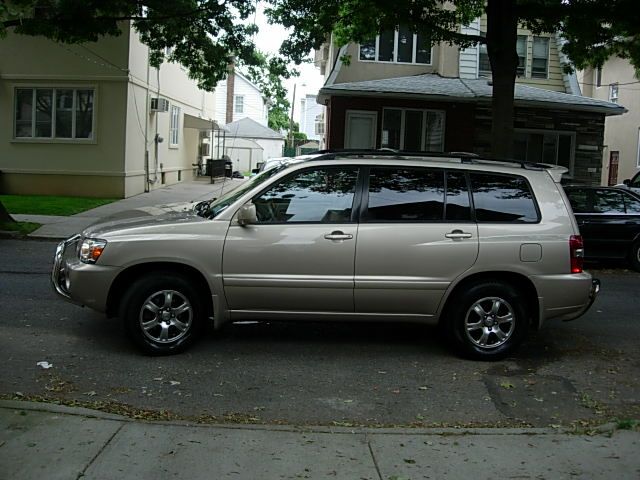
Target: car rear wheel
{"x":162,"y":313}
{"x":634,"y":256}
{"x":487,"y":321}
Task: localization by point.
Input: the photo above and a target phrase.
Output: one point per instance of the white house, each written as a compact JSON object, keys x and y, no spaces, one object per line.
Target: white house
{"x":95,"y":119}
{"x":237,"y":97}
{"x":248,"y":143}
{"x":311,"y":117}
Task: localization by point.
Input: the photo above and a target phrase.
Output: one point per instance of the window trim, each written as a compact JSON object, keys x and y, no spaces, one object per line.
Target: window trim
{"x":52,"y":139}
{"x":548,"y":57}
{"x":235,"y":104}
{"x":613,"y":86}
{"x":174,"y":128}
{"x":395,"y":52}
{"x":423,"y":140}
{"x":558,"y":133}
{"x":355,"y":206}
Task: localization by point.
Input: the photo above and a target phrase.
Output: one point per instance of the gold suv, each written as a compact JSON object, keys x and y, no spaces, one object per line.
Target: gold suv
{"x":486,"y":249}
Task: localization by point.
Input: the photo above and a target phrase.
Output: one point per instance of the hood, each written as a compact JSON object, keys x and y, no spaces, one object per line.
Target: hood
{"x":156,"y":217}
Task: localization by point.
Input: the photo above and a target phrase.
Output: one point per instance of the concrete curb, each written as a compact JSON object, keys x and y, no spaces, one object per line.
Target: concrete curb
{"x":449,"y":431}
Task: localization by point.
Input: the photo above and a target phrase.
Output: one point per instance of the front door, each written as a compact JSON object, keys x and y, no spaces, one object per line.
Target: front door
{"x":299,"y":256}
{"x":414,"y":239}
{"x":614,"y":158}
{"x":360,"y":131}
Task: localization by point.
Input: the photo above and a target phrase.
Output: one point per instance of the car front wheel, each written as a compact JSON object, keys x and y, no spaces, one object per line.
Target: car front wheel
{"x":162,"y":313}
{"x":487,"y":321}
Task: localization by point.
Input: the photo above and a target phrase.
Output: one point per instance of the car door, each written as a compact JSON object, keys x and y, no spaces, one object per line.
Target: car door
{"x":415,"y":237}
{"x":604,"y":225}
{"x":299,"y":255}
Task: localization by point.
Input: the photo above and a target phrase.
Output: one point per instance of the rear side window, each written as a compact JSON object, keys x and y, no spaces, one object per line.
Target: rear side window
{"x":503,"y":198}
{"x":405,"y":195}
{"x":458,"y":206}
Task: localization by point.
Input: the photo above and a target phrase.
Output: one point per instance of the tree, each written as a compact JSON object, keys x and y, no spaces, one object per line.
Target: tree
{"x":266,"y":76}
{"x":593,"y":32}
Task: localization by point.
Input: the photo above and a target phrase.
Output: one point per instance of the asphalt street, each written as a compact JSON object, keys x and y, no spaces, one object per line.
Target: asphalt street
{"x":577,"y":373}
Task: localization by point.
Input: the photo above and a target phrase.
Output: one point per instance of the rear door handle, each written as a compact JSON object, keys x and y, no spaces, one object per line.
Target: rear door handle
{"x":456,"y":234}
{"x":338,"y":235}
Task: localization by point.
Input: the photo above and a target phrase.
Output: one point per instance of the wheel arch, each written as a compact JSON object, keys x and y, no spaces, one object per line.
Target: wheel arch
{"x":518,"y":280}
{"x":133,"y":272}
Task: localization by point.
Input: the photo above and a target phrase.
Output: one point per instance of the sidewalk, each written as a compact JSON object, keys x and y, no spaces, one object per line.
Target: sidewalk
{"x":58,"y":227}
{"x":49,"y":441}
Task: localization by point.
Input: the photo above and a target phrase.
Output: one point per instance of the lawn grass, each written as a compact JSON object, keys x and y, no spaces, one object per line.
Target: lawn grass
{"x":50,"y":204}
{"x":24,"y":228}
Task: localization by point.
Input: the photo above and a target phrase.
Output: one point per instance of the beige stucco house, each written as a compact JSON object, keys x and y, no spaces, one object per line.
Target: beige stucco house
{"x":95,"y":119}
{"x":400,"y":91}
{"x":617,"y":81}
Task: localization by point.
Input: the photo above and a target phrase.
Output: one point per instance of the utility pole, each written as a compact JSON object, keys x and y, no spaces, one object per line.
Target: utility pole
{"x":293,"y":104}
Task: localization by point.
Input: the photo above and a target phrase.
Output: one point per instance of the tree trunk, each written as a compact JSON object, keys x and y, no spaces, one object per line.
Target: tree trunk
{"x":4,"y":215}
{"x":502,"y":28}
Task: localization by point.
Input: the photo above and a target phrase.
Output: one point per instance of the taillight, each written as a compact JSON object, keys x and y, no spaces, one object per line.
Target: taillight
{"x":576,"y":249}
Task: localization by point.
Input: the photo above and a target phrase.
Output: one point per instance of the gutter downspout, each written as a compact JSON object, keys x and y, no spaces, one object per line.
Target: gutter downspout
{"x":146,"y":130}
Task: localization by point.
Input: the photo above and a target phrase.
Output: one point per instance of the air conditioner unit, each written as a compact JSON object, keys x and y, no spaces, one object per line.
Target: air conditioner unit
{"x":159,"y":104}
{"x":205,"y":149}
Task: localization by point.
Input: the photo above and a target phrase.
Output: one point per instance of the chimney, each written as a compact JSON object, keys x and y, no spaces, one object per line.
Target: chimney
{"x":231,"y":80}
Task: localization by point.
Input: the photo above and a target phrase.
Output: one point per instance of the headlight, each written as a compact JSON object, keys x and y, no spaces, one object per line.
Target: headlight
{"x":91,"y":249}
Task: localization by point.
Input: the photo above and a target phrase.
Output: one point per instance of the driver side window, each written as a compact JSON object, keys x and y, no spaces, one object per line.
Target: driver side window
{"x":319,"y":195}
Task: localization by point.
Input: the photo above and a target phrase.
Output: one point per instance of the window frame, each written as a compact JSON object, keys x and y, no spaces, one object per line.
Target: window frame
{"x":482,"y":50}
{"x":174,"y":128}
{"x":395,"y":52}
{"x":536,"y":204}
{"x":93,"y":139}
{"x":355,"y":206}
{"x":423,"y":140}
{"x":614,"y":87}
{"x":557,"y":133}
{"x":547,"y":58}
{"x":236,"y":103}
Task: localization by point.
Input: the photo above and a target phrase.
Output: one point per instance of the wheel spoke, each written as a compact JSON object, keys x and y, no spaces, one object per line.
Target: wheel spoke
{"x":168,"y":298}
{"x":474,"y":326}
{"x":151,"y":307}
{"x":185,"y":307}
{"x":182,"y":326}
{"x":500,"y":334}
{"x":164,"y":332}
{"x":485,"y":336}
{"x":479,"y":310}
{"x":150,"y":324}
{"x":496,"y":306}
{"x":508,"y":318}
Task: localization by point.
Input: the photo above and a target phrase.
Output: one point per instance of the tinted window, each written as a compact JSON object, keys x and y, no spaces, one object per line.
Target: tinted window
{"x":608,"y":201}
{"x":323,"y":195}
{"x":632,"y":203}
{"x":458,"y":205}
{"x":403,"y":194}
{"x":579,"y":200}
{"x":502,"y":198}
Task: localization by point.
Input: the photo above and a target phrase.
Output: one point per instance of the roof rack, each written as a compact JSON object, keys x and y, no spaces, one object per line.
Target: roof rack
{"x":465,"y":157}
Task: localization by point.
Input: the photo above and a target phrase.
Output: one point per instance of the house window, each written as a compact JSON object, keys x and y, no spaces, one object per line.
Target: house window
{"x":319,"y":124}
{"x":484,"y":65}
{"x":399,"y":46}
{"x":413,"y":130}
{"x":546,"y":146}
{"x":613,"y":93}
{"x":174,"y":126}
{"x":599,"y":77}
{"x":64,"y":113}
{"x":540,"y":58}
{"x":238,"y":102}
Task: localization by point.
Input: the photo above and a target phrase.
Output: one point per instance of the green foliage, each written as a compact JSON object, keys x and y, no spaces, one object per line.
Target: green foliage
{"x":50,"y":205}
{"x":268,"y":75}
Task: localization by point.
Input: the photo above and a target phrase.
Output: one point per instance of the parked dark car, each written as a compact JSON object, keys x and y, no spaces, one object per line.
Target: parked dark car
{"x":609,"y":221}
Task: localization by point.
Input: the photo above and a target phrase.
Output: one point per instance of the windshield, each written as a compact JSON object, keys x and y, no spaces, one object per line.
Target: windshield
{"x":212,"y":208}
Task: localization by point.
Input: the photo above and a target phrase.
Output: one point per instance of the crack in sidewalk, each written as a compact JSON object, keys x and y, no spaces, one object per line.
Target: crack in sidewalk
{"x":84,"y":470}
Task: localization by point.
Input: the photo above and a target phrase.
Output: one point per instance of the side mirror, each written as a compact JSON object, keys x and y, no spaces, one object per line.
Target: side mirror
{"x":627,"y":182}
{"x":247,"y":214}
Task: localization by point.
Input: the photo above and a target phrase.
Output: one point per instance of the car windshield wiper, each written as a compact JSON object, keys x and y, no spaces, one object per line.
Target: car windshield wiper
{"x":201,"y":208}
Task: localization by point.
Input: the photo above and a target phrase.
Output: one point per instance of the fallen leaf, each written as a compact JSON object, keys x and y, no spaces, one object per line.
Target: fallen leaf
{"x":507,"y":385}
{"x":91,"y":393}
{"x":174,"y":383}
{"x":424,"y":387}
{"x":44,"y":365}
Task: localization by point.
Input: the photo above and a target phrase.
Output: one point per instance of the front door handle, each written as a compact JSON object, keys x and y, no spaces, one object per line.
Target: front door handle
{"x":338,"y":235}
{"x":457,"y":234}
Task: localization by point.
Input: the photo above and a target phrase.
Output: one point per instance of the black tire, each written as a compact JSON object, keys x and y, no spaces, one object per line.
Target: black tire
{"x":634,"y":256}
{"x":178,"y":317}
{"x":481,"y":312}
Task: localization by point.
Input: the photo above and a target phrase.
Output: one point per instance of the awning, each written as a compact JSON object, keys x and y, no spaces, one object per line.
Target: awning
{"x":199,"y":123}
